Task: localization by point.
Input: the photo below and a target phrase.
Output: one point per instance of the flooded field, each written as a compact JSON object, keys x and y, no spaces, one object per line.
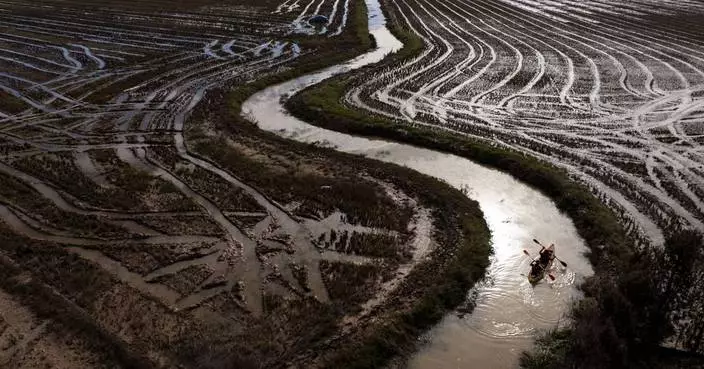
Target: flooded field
{"x":611,"y":91}
{"x":145,"y":221}
{"x":90,"y":101}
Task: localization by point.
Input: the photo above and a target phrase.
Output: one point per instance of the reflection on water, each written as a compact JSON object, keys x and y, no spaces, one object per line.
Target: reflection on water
{"x":508,"y":309}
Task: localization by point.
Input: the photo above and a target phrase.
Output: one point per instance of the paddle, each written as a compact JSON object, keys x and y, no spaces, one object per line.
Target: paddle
{"x":552,"y":277}
{"x":558,"y":259}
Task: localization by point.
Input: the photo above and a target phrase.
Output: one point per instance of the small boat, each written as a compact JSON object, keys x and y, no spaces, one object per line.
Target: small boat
{"x":538,"y":270}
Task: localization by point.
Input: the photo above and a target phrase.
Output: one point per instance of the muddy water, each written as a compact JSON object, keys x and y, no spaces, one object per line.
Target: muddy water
{"x":508,"y":309}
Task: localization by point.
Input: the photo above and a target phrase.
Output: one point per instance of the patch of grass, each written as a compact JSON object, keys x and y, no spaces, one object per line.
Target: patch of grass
{"x":144,"y":259}
{"x":130,"y":186}
{"x":350,"y":285}
{"x":363,"y":201}
{"x":549,"y":348}
{"x":178,"y":225}
{"x":260,"y":342}
{"x":458,"y":263}
{"x":186,"y":280}
{"x":375,"y":245}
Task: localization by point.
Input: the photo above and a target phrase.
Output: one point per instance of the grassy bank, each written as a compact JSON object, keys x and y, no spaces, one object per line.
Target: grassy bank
{"x":353,"y":41}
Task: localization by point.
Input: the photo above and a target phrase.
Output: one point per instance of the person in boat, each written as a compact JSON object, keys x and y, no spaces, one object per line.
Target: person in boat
{"x":542,"y":262}
{"x":547,"y":254}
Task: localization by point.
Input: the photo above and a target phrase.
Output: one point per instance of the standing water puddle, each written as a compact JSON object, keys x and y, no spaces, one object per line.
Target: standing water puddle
{"x":508,"y":309}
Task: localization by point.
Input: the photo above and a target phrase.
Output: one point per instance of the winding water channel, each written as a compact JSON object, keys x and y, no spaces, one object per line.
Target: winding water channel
{"x":508,"y":309}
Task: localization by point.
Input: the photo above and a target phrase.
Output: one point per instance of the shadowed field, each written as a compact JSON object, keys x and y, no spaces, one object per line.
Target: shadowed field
{"x":144,"y":224}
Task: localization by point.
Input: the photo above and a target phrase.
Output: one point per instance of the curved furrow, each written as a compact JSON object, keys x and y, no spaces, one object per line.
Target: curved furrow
{"x":570,"y":80}
{"x":46,"y":31}
{"x":649,"y":30}
{"x":470,"y":81}
{"x":610,"y":35}
{"x":406,"y":105}
{"x":647,"y":34}
{"x":305,"y":10}
{"x":409,"y":70}
{"x":639,"y":42}
{"x":70,"y":67}
{"x":580,"y":40}
{"x":571,"y":76}
{"x":420,"y":71}
{"x":520,"y":66}
{"x":343,"y":21}
{"x":444,"y":76}
{"x":519,"y":62}
{"x":561,"y":32}
{"x":103,"y":28}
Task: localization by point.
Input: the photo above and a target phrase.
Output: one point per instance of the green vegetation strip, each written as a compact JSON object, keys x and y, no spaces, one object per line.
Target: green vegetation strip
{"x":354,"y":41}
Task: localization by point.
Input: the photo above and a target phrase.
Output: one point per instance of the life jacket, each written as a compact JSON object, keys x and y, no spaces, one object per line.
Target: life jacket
{"x":536,"y":268}
{"x":546,"y":255}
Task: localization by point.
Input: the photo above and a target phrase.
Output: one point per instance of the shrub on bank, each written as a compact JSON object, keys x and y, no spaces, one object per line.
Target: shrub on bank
{"x":627,"y":315}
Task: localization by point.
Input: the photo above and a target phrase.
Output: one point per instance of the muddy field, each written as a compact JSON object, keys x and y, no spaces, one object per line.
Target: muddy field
{"x":141,"y":225}
{"x":144,"y":223}
{"x":611,"y":91}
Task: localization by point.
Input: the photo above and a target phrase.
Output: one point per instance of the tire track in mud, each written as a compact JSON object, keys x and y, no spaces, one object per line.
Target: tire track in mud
{"x":531,"y":30}
{"x":619,"y":75}
{"x":613,"y":103}
{"x":146,"y":113}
